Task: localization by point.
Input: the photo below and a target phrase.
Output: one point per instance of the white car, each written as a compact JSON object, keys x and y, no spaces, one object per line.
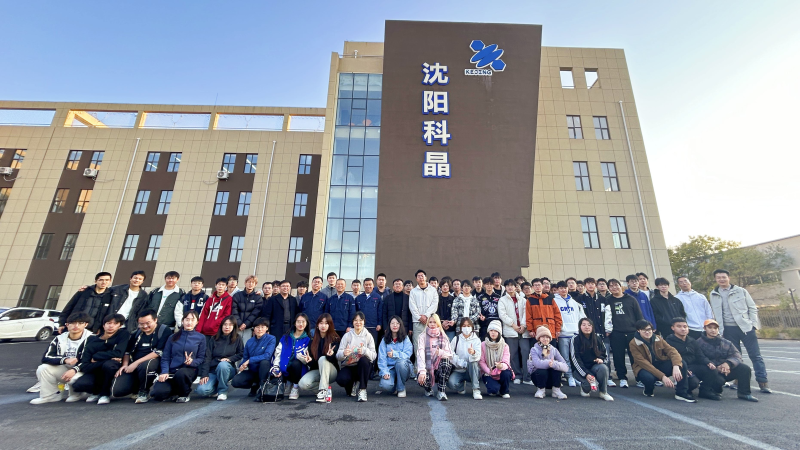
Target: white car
{"x":35,"y":323}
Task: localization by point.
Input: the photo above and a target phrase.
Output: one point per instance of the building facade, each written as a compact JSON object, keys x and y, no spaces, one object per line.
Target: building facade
{"x":463,"y":149}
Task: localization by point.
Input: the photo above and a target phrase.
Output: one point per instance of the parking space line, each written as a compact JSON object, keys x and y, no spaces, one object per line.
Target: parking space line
{"x":588,"y":443}
{"x":698,"y":423}
{"x":441,"y":428}
{"x":785,"y":393}
{"x":683,"y":439}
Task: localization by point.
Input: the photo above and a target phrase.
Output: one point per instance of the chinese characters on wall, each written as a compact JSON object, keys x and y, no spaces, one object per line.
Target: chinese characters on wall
{"x":436,"y":103}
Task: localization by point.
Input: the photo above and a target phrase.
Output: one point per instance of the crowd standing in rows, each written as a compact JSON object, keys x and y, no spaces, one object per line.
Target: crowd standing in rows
{"x":120,"y":341}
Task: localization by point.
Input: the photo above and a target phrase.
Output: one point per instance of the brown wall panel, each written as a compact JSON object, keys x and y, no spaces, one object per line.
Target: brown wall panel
{"x":477,"y":221}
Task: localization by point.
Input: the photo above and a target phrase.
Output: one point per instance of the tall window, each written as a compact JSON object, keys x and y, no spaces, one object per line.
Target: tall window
{"x":212,"y":248}
{"x":52,"y":297}
{"x":4,"y":193}
{"x":610,"y":182}
{"x":229,"y":161}
{"x":619,"y":232}
{"x":142,"y":197}
{"x":295,"y":248}
{"x":581,"y":170}
{"x":83,"y":201}
{"x":73,"y":159}
{"x":59,"y":201}
{"x":69,"y":247}
{"x":305,"y":165}
{"x":26,"y":296}
{"x":566,"y":79}
{"x":43,"y":247}
{"x":244,"y":204}
{"x":221,"y":203}
{"x":574,"y":127}
{"x":164,"y":202}
{"x":589,"y":229}
{"x":174,"y":162}
{"x":601,"y":128}
{"x":237,"y":247}
{"x":97,"y":160}
{"x":152,"y":162}
{"x":16,"y":162}
{"x":250,"y":162}
{"x":300,"y":202}
{"x":153,"y":247}
{"x":591,"y":78}
{"x":129,"y":248}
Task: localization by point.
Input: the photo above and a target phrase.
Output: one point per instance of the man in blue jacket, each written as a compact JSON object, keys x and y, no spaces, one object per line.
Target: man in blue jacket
{"x":342,"y":307}
{"x":642,"y":298}
{"x":313,"y":303}
{"x":256,"y":360}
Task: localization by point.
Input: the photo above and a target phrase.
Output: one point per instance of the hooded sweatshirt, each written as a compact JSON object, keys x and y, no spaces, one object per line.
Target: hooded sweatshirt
{"x":644,"y":306}
{"x":571,"y":314}
{"x":98,"y":350}
{"x":216,"y":309}
{"x":62,"y":347}
{"x":354,"y":341}
{"x":460,"y":346}
{"x":623,"y":314}
{"x":664,"y":310}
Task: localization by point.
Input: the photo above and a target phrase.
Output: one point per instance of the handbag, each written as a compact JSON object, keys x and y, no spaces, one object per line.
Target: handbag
{"x":272,"y":390}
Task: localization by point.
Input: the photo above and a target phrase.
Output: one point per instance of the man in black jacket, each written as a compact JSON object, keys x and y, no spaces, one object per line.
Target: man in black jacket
{"x":725,"y":362}
{"x":90,"y":301}
{"x":128,"y":300}
{"x":665,"y":307}
{"x":280,"y":310}
{"x":624,"y":312}
{"x":396,"y":304}
{"x":142,"y":360}
{"x":247,"y":305}
{"x":691,"y":354}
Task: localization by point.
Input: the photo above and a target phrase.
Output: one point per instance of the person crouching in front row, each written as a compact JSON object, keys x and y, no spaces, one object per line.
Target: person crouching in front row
{"x":184,"y":354}
{"x":546,"y":365}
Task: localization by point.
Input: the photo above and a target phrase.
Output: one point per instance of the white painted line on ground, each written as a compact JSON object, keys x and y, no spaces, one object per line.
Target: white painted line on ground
{"x":134,"y":438}
{"x":442,"y":429}
{"x":589,"y":444}
{"x":16,"y":399}
{"x":698,"y":423}
{"x":784,"y":393}
{"x":683,"y":439}
{"x":794,"y":372}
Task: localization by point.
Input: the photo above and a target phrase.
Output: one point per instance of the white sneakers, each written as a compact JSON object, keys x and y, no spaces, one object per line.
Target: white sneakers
{"x":529,"y":383}
{"x":623,"y":383}
{"x":321,"y":395}
{"x":142,"y":397}
{"x":76,"y":397}
{"x":57,"y":397}
{"x":441,"y":396}
{"x":401,"y":394}
{"x":354,"y":392}
{"x":584,"y":394}
{"x":222,"y":397}
{"x":92,"y":398}
{"x":182,"y":399}
{"x":517,"y":381}
{"x":506,"y":396}
{"x":539,"y":393}
{"x":103,"y":400}
{"x":611,"y":383}
{"x":572,"y":382}
{"x":294,"y":394}
{"x":476,"y":394}
{"x":35,"y":388}
{"x":606,"y":397}
{"x":362,"y":395}
{"x":556,"y":393}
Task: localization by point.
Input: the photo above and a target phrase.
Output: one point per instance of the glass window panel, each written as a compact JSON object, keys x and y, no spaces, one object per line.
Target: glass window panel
{"x":250,"y":162}
{"x":369,"y":203}
{"x":343,"y":111}
{"x":333,"y":236}
{"x":375,"y":85}
{"x":336,"y":202}
{"x":357,"y":141}
{"x":366,"y":266}
{"x":339,"y":171}
{"x":358,"y":117}
{"x":373,"y":113}
{"x":341,"y":136}
{"x":360,"y":81}
{"x":360,"y":104}
{"x":352,"y":208}
{"x":354,"y":176}
{"x":152,"y":162}
{"x":345,"y":85}
{"x":372,"y":141}
{"x":371,"y":170}
{"x":330,"y":262}
{"x":355,"y":161}
{"x":352,"y":224}
{"x":349,"y":269}
{"x":97,"y":160}
{"x":368,"y":233}
{"x":73,"y":159}
{"x":350,"y":242}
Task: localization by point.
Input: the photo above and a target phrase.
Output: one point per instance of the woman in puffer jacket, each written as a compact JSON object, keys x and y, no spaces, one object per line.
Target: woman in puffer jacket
{"x":466,"y":348}
{"x":546,"y":365}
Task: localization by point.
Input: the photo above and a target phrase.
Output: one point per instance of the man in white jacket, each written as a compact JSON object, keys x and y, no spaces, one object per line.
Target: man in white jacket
{"x":571,"y":314}
{"x":422,"y":302}
{"x":511,"y":309}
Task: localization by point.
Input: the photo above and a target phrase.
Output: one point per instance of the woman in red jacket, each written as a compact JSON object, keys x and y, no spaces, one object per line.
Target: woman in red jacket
{"x":216,"y":309}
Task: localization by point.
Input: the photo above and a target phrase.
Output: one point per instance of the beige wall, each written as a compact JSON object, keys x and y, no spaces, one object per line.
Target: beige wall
{"x":768,"y":294}
{"x":186,"y":230}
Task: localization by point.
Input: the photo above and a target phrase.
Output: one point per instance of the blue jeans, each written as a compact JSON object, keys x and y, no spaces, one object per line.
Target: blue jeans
{"x":458,"y":380}
{"x":451,"y":333}
{"x":750,"y":341}
{"x":563,"y":348}
{"x":217,"y":380}
{"x":398,"y":375}
{"x":498,"y":386}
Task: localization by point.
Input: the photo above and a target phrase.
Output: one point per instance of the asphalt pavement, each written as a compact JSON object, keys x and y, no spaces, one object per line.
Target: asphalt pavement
{"x":632,"y":421}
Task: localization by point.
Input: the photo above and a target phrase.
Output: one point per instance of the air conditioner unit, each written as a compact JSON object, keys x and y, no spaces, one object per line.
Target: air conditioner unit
{"x":223,"y":174}
{"x":90,"y":173}
{"x":6,"y":170}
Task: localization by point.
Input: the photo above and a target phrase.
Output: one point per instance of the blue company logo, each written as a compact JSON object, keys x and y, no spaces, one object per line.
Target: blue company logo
{"x":487,"y":55}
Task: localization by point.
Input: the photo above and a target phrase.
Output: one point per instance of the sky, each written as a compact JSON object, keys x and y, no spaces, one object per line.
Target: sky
{"x":713,"y":80}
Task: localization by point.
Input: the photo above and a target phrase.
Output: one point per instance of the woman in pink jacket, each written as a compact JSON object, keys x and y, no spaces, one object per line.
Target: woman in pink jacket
{"x":495,"y":362}
{"x":433,"y":358}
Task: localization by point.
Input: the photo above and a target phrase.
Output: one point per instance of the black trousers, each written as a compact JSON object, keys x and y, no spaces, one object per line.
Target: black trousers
{"x":620,"y":344}
{"x":546,"y":378}
{"x":294,"y":371}
{"x":180,"y":384}
{"x":695,"y":334}
{"x":137,"y":381}
{"x":713,"y":380}
{"x":247,"y":378}
{"x":649,"y":379}
{"x":348,"y":375}
{"x":98,"y":381}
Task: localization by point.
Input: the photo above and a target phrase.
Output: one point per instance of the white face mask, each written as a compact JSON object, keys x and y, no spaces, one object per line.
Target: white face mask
{"x":466,"y":330}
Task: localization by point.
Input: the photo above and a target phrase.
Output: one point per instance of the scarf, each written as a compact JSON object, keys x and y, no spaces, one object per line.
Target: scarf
{"x":433,"y":343}
{"x":494,"y":351}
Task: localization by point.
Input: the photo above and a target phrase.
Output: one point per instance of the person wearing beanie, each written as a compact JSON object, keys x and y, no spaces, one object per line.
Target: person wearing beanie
{"x":546,"y":365}
{"x":495,"y":361}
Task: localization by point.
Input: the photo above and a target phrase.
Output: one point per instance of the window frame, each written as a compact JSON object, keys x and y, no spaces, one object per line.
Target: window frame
{"x":601,"y":132}
{"x":5,"y":194}
{"x":83,"y":201}
{"x":73,"y":159}
{"x":129,"y":247}
{"x":153,"y":247}
{"x":575,"y":131}
{"x":610,"y":181}
{"x":19,"y":158}
{"x":250,"y":162}
{"x":564,"y":70}
{"x":97,"y":160}
{"x":243,"y":207}
{"x":237,"y":249}
{"x":592,"y":235}
{"x":221,"y":207}
{"x":295,"y":249}
{"x":28,"y":299}
{"x":618,"y":236}
{"x":300,"y":204}
{"x":48,"y":301}
{"x":582,"y":181}
{"x":164,"y":204}
{"x":57,"y":206}
{"x":174,"y":163}
{"x":229,"y":162}
{"x":140,"y":204}
{"x":151,"y":163}
{"x":212,"y":245}
{"x":43,"y":246}
{"x":304,"y":168}
{"x":67,"y":251}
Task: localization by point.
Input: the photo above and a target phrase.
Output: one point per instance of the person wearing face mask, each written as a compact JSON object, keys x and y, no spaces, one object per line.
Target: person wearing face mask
{"x":434,"y":358}
{"x":356,"y":353}
{"x":466,"y":348}
{"x":546,"y":365}
{"x":291,"y":358}
{"x":394,"y":358}
{"x":589,"y":360}
{"x":142,"y":358}
{"x":324,"y":367}
{"x":495,"y":361}
{"x":101,"y":357}
{"x":224,"y":350}
{"x":466,"y":305}
{"x":184,"y":353}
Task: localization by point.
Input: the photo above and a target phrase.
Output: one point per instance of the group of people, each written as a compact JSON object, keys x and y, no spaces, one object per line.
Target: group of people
{"x":121,"y":341}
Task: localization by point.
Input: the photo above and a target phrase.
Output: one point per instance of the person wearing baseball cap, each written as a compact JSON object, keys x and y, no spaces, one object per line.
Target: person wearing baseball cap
{"x":724,"y":363}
